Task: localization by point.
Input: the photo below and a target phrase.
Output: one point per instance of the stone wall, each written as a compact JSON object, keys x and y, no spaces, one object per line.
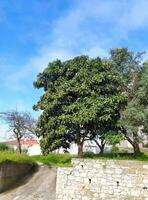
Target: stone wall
{"x":11,"y":172}
{"x":89,"y":179}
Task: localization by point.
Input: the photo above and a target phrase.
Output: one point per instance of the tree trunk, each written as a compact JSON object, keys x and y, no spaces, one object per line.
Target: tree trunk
{"x":18,"y":137}
{"x":102,"y":149}
{"x":101,"y":146}
{"x":19,"y":146}
{"x":80,"y":149}
{"x":136,"y":149}
{"x":136,"y":144}
{"x":133,"y":142}
{"x":80,"y":142}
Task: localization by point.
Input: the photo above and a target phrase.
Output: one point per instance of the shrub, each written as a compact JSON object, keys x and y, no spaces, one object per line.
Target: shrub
{"x":114,"y":149}
{"x":145,"y":145}
{"x":88,"y":154}
{"x":25,"y":151}
{"x":3,"y":147}
{"x":124,"y":151}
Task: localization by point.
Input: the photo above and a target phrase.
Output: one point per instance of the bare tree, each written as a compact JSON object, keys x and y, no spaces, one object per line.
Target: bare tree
{"x":21,"y":124}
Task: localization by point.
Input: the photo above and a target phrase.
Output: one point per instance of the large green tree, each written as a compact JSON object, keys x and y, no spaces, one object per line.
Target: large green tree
{"x":142,"y":96}
{"x":126,"y":62}
{"x":81,"y":98}
{"x":129,"y":65}
{"x":134,"y":119}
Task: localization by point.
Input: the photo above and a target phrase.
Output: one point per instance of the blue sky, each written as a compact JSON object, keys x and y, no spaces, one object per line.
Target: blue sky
{"x":34,"y":32}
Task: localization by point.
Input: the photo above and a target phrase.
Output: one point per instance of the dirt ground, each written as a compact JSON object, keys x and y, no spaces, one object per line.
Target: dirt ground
{"x":40,"y":186}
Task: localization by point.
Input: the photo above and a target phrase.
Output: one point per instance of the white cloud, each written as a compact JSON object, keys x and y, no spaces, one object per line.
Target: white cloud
{"x":74,"y":33}
{"x":66,"y":41}
{"x":133,"y":17}
{"x":34,"y":65}
{"x":91,"y":28}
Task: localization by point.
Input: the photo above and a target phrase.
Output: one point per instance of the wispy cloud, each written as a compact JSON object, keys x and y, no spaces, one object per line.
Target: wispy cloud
{"x":91,"y":27}
{"x":70,"y":36}
{"x":135,"y":16}
{"x":88,"y":27}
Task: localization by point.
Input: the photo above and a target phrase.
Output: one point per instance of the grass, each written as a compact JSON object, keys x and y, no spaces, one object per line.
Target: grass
{"x":118,"y":156}
{"x":8,"y":156}
{"x":64,"y":160}
{"x":60,"y":160}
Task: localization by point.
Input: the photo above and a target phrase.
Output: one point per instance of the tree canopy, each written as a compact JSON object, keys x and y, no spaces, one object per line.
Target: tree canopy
{"x":126,"y":62}
{"x":81,"y":98}
{"x":135,"y":117}
{"x":129,"y":65}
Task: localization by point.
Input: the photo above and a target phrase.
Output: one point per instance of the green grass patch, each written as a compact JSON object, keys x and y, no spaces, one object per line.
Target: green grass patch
{"x":60,"y":160}
{"x":118,"y":156}
{"x":8,"y":156}
{"x":64,"y":160}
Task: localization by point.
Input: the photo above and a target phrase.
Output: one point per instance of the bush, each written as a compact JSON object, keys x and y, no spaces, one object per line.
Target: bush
{"x":114,"y":149}
{"x":25,"y":151}
{"x":145,"y":145}
{"x":124,"y":151}
{"x":88,"y":154}
{"x":4,"y":147}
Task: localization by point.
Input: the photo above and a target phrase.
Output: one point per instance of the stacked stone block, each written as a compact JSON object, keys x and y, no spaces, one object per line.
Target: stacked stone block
{"x":90,"y":179}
